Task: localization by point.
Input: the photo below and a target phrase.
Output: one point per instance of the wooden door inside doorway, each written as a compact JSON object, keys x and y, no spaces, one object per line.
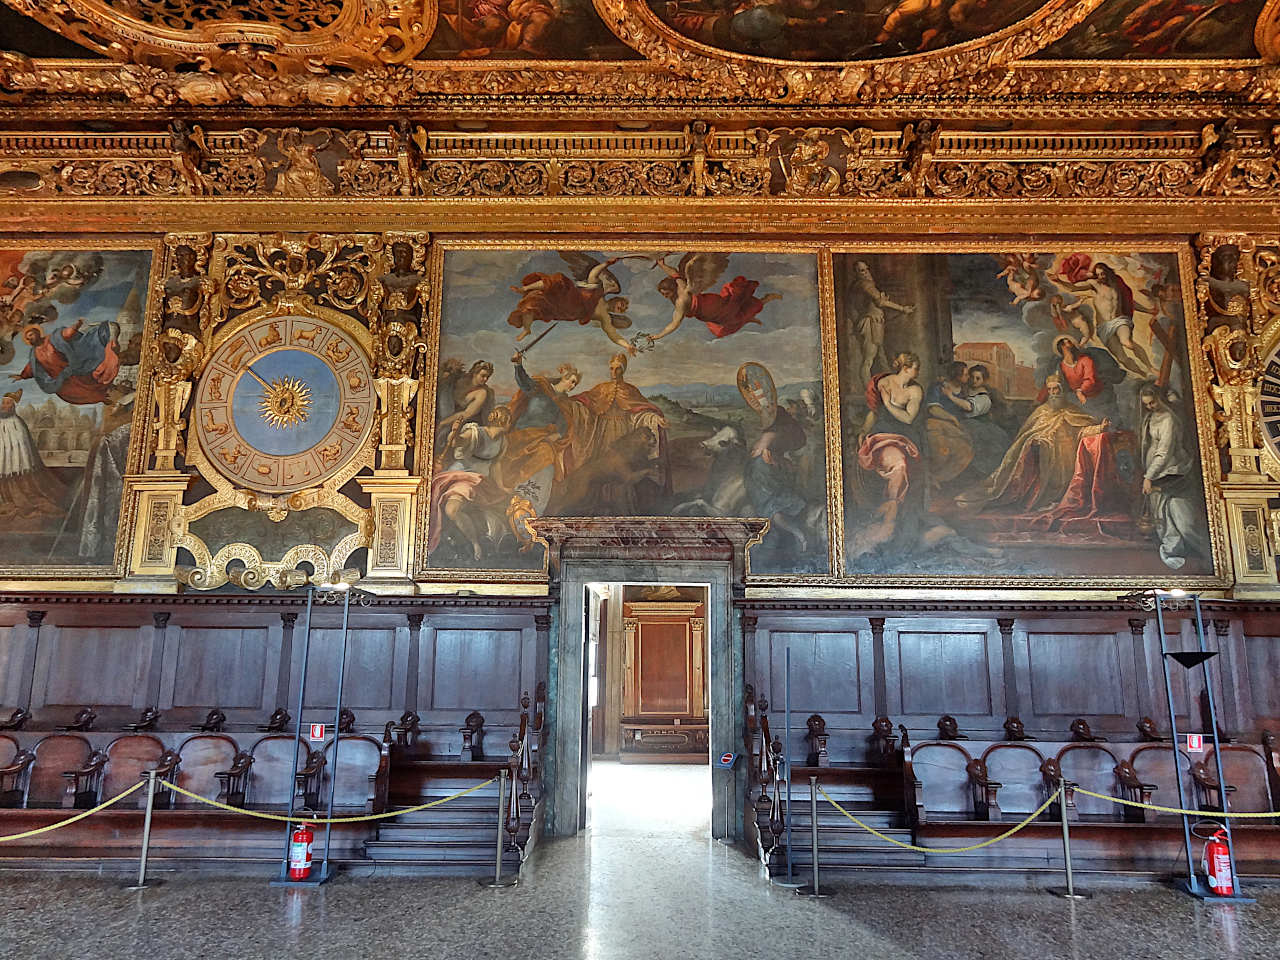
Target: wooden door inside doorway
{"x":664,"y":683}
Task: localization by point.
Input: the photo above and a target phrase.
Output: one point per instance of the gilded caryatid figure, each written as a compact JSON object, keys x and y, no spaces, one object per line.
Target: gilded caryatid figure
{"x":178,"y":350}
{"x":398,"y":300}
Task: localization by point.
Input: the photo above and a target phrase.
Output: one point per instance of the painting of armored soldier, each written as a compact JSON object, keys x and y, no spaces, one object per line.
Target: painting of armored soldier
{"x":1012,"y":415}
{"x":70,"y":342}
{"x":597,"y":383}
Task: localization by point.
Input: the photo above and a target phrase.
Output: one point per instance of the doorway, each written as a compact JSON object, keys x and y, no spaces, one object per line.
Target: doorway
{"x":647,"y":706}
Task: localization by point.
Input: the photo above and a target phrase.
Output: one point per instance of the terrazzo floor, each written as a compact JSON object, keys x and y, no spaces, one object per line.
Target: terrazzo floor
{"x":643,"y":883}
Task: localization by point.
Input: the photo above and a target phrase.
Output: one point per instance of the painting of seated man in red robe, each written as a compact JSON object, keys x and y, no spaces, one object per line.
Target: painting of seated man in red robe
{"x":77,"y":364}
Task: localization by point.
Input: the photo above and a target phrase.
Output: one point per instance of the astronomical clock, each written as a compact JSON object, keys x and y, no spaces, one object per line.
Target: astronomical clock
{"x":284,"y":404}
{"x":283,"y":376}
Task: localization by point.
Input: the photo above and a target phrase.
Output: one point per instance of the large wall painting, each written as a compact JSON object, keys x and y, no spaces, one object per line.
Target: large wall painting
{"x":836,"y":30}
{"x":1162,"y":29}
{"x":1018,"y":415}
{"x":629,"y":383}
{"x":71,"y":325}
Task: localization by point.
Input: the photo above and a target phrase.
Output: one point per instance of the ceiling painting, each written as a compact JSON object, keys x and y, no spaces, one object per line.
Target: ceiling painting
{"x":523,"y":30}
{"x":1163,"y":30}
{"x":839,"y":30}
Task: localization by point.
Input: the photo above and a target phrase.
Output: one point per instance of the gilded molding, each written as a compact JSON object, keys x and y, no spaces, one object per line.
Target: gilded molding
{"x":924,"y":159}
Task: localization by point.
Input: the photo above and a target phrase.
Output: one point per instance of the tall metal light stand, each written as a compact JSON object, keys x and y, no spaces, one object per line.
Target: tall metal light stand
{"x":329,"y":593}
{"x":1159,"y":601}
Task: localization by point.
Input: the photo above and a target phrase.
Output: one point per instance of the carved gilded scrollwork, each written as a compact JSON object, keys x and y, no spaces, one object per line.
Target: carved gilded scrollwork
{"x":924,"y":159}
{"x":1223,"y":286}
{"x":265,"y":37}
{"x":397,"y":305}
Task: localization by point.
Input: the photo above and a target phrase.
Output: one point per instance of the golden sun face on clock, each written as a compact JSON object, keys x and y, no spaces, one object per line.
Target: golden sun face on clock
{"x":284,"y":404}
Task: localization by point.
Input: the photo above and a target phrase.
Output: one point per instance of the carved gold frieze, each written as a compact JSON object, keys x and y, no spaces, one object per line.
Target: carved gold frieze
{"x":923,"y":159}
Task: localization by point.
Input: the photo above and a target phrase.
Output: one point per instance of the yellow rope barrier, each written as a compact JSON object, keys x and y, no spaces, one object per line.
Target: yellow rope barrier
{"x":1177,"y":810}
{"x":911,"y":846}
{"x":79,"y":816}
{"x":301,"y":819}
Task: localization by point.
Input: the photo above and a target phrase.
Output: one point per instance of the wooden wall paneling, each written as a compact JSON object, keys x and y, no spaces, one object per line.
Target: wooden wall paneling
{"x":426,"y":666}
{"x":104,"y":667}
{"x":1068,"y":669}
{"x":1262,"y":656}
{"x":376,"y":659}
{"x":831,"y":674}
{"x":17,"y":658}
{"x":233,"y":667}
{"x":155,"y":668}
{"x":1230,"y":670}
{"x":1180,"y":634}
{"x":935,"y":667}
{"x":477,"y":669}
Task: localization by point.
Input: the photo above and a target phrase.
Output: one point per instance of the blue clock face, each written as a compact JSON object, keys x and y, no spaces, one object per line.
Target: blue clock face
{"x":285,"y":403}
{"x":314,"y":391}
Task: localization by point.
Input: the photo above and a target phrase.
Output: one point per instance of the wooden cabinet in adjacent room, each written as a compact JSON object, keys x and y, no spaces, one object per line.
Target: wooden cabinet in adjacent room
{"x":664,"y":683}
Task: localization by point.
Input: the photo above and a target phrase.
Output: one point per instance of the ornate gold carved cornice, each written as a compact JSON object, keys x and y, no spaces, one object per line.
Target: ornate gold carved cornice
{"x":923,"y":160}
{"x":230,"y":35}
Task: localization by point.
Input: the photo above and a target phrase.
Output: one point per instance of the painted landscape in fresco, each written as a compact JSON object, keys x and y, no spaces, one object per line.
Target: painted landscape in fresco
{"x":70,"y":339}
{"x":523,"y":30}
{"x":1017,"y":415}
{"x":1162,"y":29}
{"x":838,"y":29}
{"x":630,"y":384}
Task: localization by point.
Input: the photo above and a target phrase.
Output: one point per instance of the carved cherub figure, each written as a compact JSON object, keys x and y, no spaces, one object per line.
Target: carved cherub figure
{"x":1080,"y":731}
{"x":1014,"y":730}
{"x":949,"y":729}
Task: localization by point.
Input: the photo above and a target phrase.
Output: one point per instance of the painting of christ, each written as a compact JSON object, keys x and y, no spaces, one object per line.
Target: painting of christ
{"x":70,"y":351}
{"x":1019,"y":415}
{"x":627,"y":383}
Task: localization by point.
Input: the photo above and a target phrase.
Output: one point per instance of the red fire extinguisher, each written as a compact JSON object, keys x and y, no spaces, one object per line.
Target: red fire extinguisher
{"x":300,"y":852}
{"x":1217,"y":865}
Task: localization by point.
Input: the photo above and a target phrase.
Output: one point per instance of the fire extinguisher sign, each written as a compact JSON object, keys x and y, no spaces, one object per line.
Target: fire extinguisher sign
{"x":317,"y":732}
{"x":1195,"y":743}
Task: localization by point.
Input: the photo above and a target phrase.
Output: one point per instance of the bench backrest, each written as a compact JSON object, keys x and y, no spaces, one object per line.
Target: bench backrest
{"x":1092,"y":766}
{"x":1016,"y":766}
{"x":940,"y":768}
{"x":358,"y":759}
{"x":8,"y":750}
{"x":1246,"y":770}
{"x":54,"y":754}
{"x":271,"y":779}
{"x":200,"y":758}
{"x":127,"y":757}
{"x":1153,"y":763}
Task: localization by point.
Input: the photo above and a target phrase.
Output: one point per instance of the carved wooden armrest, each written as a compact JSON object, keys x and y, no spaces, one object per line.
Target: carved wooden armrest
{"x":84,"y":780}
{"x":167,"y":765}
{"x":1207,"y":780}
{"x":1129,"y":781}
{"x":1052,"y":773}
{"x":307,"y":780}
{"x":232,"y":780}
{"x":21,"y":761}
{"x":984,"y":789}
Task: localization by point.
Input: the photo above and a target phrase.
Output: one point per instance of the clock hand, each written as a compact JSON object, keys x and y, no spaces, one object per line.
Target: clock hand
{"x":249,"y":370}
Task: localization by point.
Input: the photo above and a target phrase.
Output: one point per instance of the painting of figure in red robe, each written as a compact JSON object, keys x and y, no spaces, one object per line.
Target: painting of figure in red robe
{"x":70,"y":343}
{"x":1011,"y":415}
{"x":627,"y":383}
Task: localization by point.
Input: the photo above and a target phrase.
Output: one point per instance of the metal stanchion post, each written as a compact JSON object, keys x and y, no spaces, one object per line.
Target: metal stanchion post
{"x":812,"y":890}
{"x":498,"y":879}
{"x":143,"y":882}
{"x":1069,"y":891}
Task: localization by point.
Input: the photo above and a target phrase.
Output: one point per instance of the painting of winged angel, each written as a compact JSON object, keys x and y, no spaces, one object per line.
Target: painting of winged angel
{"x":590,"y":296}
{"x":724,"y":313}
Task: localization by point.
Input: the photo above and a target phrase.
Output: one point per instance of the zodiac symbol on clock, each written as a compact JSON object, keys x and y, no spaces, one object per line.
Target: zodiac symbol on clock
{"x":236,"y":357}
{"x":271,"y":337}
{"x":232,"y":457}
{"x":355,"y":381}
{"x":217,"y":429}
{"x":215,"y":386}
{"x":290,"y":476}
{"x":352,"y":420}
{"x":264,"y":470}
{"x":336,"y":353}
{"x":330,"y":453}
{"x":306,"y":336}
